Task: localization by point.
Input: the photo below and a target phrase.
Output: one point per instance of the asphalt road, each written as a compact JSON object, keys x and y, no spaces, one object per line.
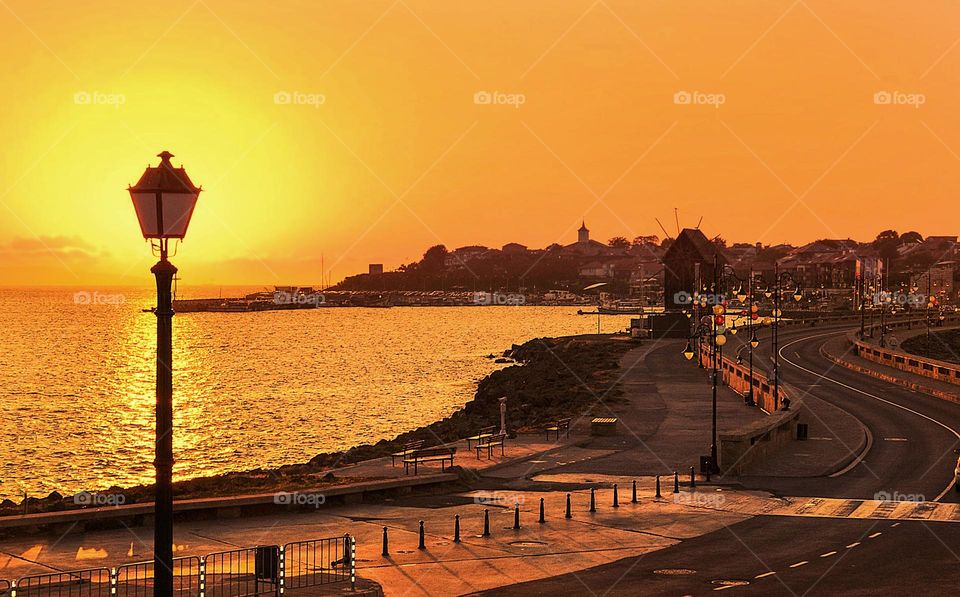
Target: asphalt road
{"x":911,"y":454}
{"x":807,"y":556}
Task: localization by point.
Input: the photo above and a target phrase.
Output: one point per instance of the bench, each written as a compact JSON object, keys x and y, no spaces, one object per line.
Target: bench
{"x":485,"y":433}
{"x":417,"y":457}
{"x":603,"y":426}
{"x":562,"y":425}
{"x":408,"y":448}
{"x":490,"y":443}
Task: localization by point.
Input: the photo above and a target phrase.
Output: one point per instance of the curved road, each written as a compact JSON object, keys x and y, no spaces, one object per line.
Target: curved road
{"x":914,"y":436}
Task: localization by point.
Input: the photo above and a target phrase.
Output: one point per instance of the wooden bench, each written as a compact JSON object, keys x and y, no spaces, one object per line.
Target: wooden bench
{"x":441,"y":455}
{"x":562,"y":425}
{"x":603,"y":426}
{"x":408,"y":448}
{"x":490,"y":443}
{"x":485,"y":433}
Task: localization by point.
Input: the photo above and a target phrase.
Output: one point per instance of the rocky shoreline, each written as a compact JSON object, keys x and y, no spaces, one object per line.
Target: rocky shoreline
{"x":549,"y":378}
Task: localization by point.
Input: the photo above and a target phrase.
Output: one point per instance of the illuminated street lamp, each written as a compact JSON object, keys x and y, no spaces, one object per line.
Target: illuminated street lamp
{"x":780,"y":278}
{"x":164,"y":199}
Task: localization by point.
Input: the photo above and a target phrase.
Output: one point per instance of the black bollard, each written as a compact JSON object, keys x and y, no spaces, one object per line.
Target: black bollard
{"x":708,"y":472}
{"x":456,"y":529}
{"x":542,"y":520}
{"x":634,"y":498}
{"x":569,"y":514}
{"x":516,"y":517}
{"x":693,"y":477}
{"x":486,"y":523}
{"x":676,"y":482}
{"x":422,"y":544}
{"x":386,"y":547}
{"x":616,"y":496}
{"x":593,"y":500}
{"x":658,"y":486}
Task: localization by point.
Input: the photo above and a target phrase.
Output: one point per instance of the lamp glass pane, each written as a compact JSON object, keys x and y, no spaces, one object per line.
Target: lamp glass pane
{"x":177,"y":209}
{"x":145,"y":205}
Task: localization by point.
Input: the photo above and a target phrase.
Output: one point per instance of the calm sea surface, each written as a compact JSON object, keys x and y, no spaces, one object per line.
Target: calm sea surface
{"x":250,"y":389}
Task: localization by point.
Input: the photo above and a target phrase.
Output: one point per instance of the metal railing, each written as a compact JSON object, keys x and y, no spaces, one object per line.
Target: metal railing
{"x":93,"y":582}
{"x":136,"y":580}
{"x":317,"y":562}
{"x":250,"y":572}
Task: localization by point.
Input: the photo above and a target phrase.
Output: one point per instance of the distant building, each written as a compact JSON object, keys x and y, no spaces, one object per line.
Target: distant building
{"x":375,"y":269}
{"x":513,"y":249}
{"x":584,"y":247}
{"x":688,"y":262}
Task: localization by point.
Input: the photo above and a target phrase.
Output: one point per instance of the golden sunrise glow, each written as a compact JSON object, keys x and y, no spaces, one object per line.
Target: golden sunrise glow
{"x":398,"y":156}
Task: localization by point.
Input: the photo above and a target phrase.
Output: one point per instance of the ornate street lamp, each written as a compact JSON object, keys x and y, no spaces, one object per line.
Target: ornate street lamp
{"x":777,"y":314}
{"x":164,"y":199}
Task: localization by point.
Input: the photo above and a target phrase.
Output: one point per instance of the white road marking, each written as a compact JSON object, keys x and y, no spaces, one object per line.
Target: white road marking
{"x":896,"y":524}
{"x":765,"y":574}
{"x":852,"y":545}
{"x":724,"y":587}
{"x":798,"y":564}
{"x":869,"y":395}
{"x":895,"y":439}
{"x":874,"y":535}
{"x":828,"y":554}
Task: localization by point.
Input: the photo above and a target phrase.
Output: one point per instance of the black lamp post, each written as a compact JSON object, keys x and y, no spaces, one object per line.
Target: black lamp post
{"x":777,"y":313}
{"x":727,"y":273}
{"x":164,"y":199}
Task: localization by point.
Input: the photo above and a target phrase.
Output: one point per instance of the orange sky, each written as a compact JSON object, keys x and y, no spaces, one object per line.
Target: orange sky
{"x":399,"y":156}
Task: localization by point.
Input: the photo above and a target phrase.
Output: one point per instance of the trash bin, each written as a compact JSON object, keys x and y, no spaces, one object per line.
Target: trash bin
{"x":705,"y":465}
{"x":267,"y":562}
{"x":802,"y":431}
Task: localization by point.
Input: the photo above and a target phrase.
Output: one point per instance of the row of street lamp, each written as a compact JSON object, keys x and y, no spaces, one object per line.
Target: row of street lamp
{"x":712,"y":329}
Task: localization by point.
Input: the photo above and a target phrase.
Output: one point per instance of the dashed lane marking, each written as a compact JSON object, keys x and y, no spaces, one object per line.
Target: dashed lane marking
{"x":854,"y":544}
{"x":895,"y":439}
{"x":765,"y":574}
{"x":828,"y":554}
{"x":874,"y":535}
{"x":798,"y":564}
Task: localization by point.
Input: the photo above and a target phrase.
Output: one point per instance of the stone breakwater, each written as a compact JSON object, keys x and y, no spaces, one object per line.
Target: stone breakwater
{"x":549,"y":378}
